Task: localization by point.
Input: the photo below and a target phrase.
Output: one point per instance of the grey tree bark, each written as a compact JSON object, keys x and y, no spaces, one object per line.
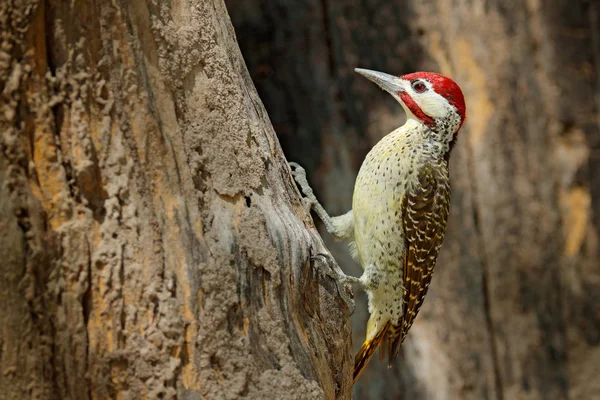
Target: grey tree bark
{"x":152,"y":242}
{"x":513,"y":308}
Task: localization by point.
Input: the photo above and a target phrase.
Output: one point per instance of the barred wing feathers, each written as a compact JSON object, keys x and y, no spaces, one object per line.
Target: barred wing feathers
{"x":424,"y":216}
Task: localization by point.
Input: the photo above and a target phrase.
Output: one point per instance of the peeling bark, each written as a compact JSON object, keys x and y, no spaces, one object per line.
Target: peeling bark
{"x":512,"y":311}
{"x":152,"y":240}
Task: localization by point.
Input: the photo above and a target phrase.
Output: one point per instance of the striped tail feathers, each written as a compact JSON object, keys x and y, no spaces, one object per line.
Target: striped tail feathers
{"x":394,"y":343}
{"x":368,"y":348}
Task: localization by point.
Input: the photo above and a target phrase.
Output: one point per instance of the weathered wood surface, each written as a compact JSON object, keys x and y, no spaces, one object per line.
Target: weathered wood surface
{"x":152,"y":244}
{"x":513,"y":308}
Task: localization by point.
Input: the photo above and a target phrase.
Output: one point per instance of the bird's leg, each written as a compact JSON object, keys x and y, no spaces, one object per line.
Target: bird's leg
{"x":370,"y":278}
{"x":344,"y":229}
{"x":310,"y":200}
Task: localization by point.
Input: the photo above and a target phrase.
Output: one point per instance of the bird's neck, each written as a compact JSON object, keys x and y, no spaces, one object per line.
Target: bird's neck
{"x":436,"y":144}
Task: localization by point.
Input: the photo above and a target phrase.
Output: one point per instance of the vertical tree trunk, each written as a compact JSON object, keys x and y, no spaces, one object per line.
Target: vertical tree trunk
{"x":152,"y":244}
{"x":512,"y":311}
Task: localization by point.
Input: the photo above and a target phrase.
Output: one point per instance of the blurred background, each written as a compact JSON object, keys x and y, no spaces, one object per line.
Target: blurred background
{"x":514,"y":307}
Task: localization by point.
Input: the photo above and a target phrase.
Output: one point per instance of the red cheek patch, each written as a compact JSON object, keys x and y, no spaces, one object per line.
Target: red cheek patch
{"x":416,"y":110}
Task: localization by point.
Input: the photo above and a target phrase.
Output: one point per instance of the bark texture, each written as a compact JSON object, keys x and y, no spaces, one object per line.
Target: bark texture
{"x":513,"y":308}
{"x":152,"y":241}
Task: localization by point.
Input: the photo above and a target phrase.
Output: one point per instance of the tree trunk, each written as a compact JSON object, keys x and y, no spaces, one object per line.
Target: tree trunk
{"x":513,"y":307}
{"x":152,"y":240}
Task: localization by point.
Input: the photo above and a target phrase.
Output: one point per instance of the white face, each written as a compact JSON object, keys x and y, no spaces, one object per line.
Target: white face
{"x":430,"y":102}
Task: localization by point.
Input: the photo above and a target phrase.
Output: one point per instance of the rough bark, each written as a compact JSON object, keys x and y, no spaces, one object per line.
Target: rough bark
{"x":152,"y":240}
{"x":513,"y":308}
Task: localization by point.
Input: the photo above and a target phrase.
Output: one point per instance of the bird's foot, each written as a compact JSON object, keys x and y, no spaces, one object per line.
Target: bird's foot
{"x":326,"y":265}
{"x":309,"y":200}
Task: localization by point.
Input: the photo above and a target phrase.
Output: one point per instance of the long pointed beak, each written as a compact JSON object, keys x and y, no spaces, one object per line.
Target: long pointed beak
{"x":387,"y":82}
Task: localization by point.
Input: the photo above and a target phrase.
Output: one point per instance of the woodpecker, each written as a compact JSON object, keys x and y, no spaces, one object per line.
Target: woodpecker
{"x":400,"y":207}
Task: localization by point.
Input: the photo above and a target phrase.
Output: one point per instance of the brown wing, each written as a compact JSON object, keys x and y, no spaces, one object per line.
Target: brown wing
{"x":424,"y":216}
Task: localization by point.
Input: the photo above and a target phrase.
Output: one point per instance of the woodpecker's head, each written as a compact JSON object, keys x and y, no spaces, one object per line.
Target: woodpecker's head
{"x":428,"y":97}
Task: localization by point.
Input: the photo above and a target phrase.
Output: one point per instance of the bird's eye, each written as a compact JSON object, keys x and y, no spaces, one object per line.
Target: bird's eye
{"x":419,"y":86}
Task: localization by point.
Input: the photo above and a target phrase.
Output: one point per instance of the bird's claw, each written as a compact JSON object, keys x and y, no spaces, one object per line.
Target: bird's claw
{"x":325,"y":259}
{"x":299,"y":174}
{"x":296,"y":168}
{"x":345,"y":296}
{"x":328,"y":269}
